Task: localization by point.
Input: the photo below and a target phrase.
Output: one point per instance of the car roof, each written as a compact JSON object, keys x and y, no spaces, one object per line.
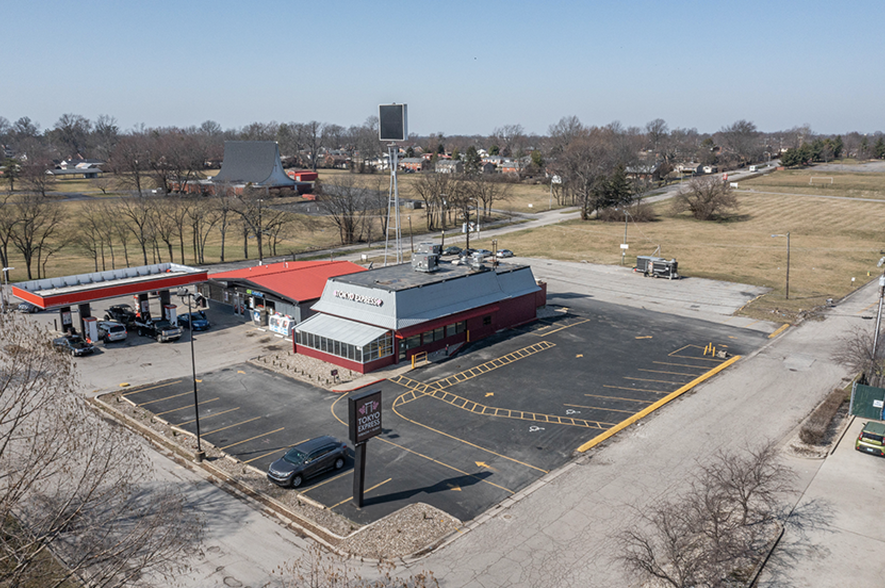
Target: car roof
{"x":875,"y":428}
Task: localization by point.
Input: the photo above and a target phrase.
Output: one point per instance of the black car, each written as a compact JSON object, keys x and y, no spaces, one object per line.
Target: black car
{"x":452,"y":250}
{"x":28,"y":308}
{"x":306,"y":460}
{"x":196,"y":319}
{"x":74,"y":344}
{"x":120,"y":313}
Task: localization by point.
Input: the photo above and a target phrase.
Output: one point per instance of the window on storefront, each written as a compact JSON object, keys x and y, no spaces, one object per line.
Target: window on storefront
{"x":487,"y":320}
{"x":439,"y":334}
{"x":381,"y":347}
{"x":458,"y":327}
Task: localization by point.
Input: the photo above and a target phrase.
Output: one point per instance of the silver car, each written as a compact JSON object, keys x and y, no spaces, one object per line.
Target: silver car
{"x":111,"y":331}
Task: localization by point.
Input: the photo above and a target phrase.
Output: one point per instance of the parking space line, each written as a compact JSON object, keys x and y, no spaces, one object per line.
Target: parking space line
{"x":445,"y":465}
{"x":663,"y":372}
{"x":563,"y":327}
{"x":272,"y":452}
{"x":476,"y":408}
{"x":699,"y":367}
{"x":151,"y":388}
{"x":653,"y":407}
{"x":675,"y":354}
{"x":619,"y":398}
{"x":366,"y":490}
{"x":215,"y":414}
{"x":634,"y":389}
{"x":184,"y":407}
{"x":231,"y":426}
{"x":649,"y":380}
{"x":863,"y":310}
{"x":253,"y":438}
{"x":326,"y":481}
{"x":600,"y":408}
{"x":165,"y":398}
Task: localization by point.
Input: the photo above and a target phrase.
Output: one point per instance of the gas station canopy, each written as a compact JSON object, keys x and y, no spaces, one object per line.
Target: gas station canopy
{"x":84,"y":288}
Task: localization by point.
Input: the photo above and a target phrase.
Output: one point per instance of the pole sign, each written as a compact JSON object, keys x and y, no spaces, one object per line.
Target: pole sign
{"x":365,"y":416}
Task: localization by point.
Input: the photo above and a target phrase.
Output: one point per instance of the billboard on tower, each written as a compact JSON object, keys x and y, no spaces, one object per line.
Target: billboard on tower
{"x":393,"y":122}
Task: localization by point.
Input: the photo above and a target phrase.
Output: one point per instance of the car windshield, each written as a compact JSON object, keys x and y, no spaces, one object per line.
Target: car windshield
{"x":77,"y":343}
{"x":295,"y":457}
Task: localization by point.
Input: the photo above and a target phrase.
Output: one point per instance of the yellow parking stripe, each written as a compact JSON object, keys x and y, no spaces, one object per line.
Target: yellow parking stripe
{"x":165,"y":398}
{"x":699,"y":367}
{"x":253,"y":438}
{"x":649,"y":409}
{"x":634,"y":389}
{"x":151,"y":388}
{"x":600,"y":408}
{"x":650,"y":380}
{"x":231,"y":426}
{"x":779,"y":331}
{"x":619,"y":398}
{"x":186,"y":406}
{"x":366,"y":490}
{"x":274,"y":451}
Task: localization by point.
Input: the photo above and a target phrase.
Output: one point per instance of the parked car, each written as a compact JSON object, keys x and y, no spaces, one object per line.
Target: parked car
{"x":74,"y":344}
{"x":197,"y":319}
{"x":162,"y":330}
{"x":28,"y":308}
{"x":452,"y":250}
{"x":467,"y":252}
{"x":307,"y":459}
{"x":485,"y":253}
{"x":505,"y":253}
{"x":111,"y":331}
{"x":872,"y":439}
{"x":121,"y":313}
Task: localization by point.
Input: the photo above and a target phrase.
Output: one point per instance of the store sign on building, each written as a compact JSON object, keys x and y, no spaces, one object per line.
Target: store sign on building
{"x":255,"y":293}
{"x":361,"y":298}
{"x":365,"y":416}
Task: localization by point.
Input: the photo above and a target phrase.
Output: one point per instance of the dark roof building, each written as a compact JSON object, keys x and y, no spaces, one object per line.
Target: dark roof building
{"x":382,"y":316}
{"x":253,"y":162}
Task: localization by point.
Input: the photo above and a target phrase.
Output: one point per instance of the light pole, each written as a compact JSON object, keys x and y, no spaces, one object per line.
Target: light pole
{"x":184,"y":293}
{"x":787,"y":235}
{"x":624,"y":246}
{"x":6,"y":271}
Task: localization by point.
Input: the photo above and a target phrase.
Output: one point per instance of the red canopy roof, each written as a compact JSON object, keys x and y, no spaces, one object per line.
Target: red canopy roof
{"x":295,"y":280}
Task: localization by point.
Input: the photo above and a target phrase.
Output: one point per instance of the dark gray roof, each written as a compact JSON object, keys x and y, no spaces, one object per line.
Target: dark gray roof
{"x":255,"y":162}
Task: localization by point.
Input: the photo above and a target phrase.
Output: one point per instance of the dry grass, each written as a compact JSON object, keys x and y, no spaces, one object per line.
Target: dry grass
{"x":846,"y":184}
{"x":831,"y":242}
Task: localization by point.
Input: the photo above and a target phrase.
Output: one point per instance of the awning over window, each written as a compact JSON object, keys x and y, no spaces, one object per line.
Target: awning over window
{"x":339,"y":329}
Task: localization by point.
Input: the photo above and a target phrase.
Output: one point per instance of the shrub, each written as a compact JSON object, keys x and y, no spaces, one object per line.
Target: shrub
{"x":815,"y":428}
{"x":640,"y":212}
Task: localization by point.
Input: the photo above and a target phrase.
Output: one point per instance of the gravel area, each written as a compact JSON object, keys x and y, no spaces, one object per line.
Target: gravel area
{"x":306,"y":369}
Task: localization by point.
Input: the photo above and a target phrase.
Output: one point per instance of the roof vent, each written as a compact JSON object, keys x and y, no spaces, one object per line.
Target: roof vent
{"x":425,"y":262}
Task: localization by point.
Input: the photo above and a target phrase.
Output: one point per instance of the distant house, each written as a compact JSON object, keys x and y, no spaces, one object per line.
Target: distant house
{"x":488,"y":168}
{"x":89,"y":172}
{"x":80,"y":163}
{"x":711,"y":169}
{"x":688,"y":168}
{"x":449,"y":166}
{"x":509,"y":166}
{"x":412,"y":163}
{"x":645,"y":171}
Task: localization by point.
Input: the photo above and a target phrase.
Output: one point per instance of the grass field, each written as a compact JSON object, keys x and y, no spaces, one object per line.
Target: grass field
{"x":809,"y":181}
{"x":832,"y":240}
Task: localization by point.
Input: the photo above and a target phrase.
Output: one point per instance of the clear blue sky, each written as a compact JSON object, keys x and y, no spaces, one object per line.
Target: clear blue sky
{"x":462,"y":67}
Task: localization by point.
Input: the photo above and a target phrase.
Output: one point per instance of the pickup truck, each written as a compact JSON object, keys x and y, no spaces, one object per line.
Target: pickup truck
{"x":162,"y":331}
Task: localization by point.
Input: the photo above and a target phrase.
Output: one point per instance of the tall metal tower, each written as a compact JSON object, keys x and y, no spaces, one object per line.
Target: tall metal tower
{"x":393,"y":126}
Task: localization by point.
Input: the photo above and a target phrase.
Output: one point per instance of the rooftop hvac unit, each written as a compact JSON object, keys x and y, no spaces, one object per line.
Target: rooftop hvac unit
{"x":425,"y":262}
{"x":431,"y":248}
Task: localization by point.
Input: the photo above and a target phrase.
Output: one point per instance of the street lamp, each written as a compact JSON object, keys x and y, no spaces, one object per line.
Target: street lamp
{"x":183,"y":293}
{"x":787,"y":235}
{"x":624,"y":246}
{"x":6,"y":271}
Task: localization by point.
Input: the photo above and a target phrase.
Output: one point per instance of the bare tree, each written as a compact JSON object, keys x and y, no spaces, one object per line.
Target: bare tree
{"x":714,"y":534}
{"x":78,"y":499}
{"x":856,"y":352}
{"x":137,"y":214}
{"x":346,"y":203}
{"x":705,"y":198}
{"x":36,"y":222}
{"x":312,"y":139}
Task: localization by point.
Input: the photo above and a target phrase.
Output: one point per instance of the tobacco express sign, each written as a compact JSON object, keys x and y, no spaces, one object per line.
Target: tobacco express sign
{"x":365,"y":415}
{"x":361,"y":298}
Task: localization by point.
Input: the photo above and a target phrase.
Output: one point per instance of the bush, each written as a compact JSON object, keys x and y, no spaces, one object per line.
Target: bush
{"x":814,"y":430}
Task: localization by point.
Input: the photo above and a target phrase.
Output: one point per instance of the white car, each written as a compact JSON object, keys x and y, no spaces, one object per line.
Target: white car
{"x":505,"y":253}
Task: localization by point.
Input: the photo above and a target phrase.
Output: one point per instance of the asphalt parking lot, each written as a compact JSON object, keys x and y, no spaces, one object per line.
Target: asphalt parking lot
{"x":468,"y":432}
